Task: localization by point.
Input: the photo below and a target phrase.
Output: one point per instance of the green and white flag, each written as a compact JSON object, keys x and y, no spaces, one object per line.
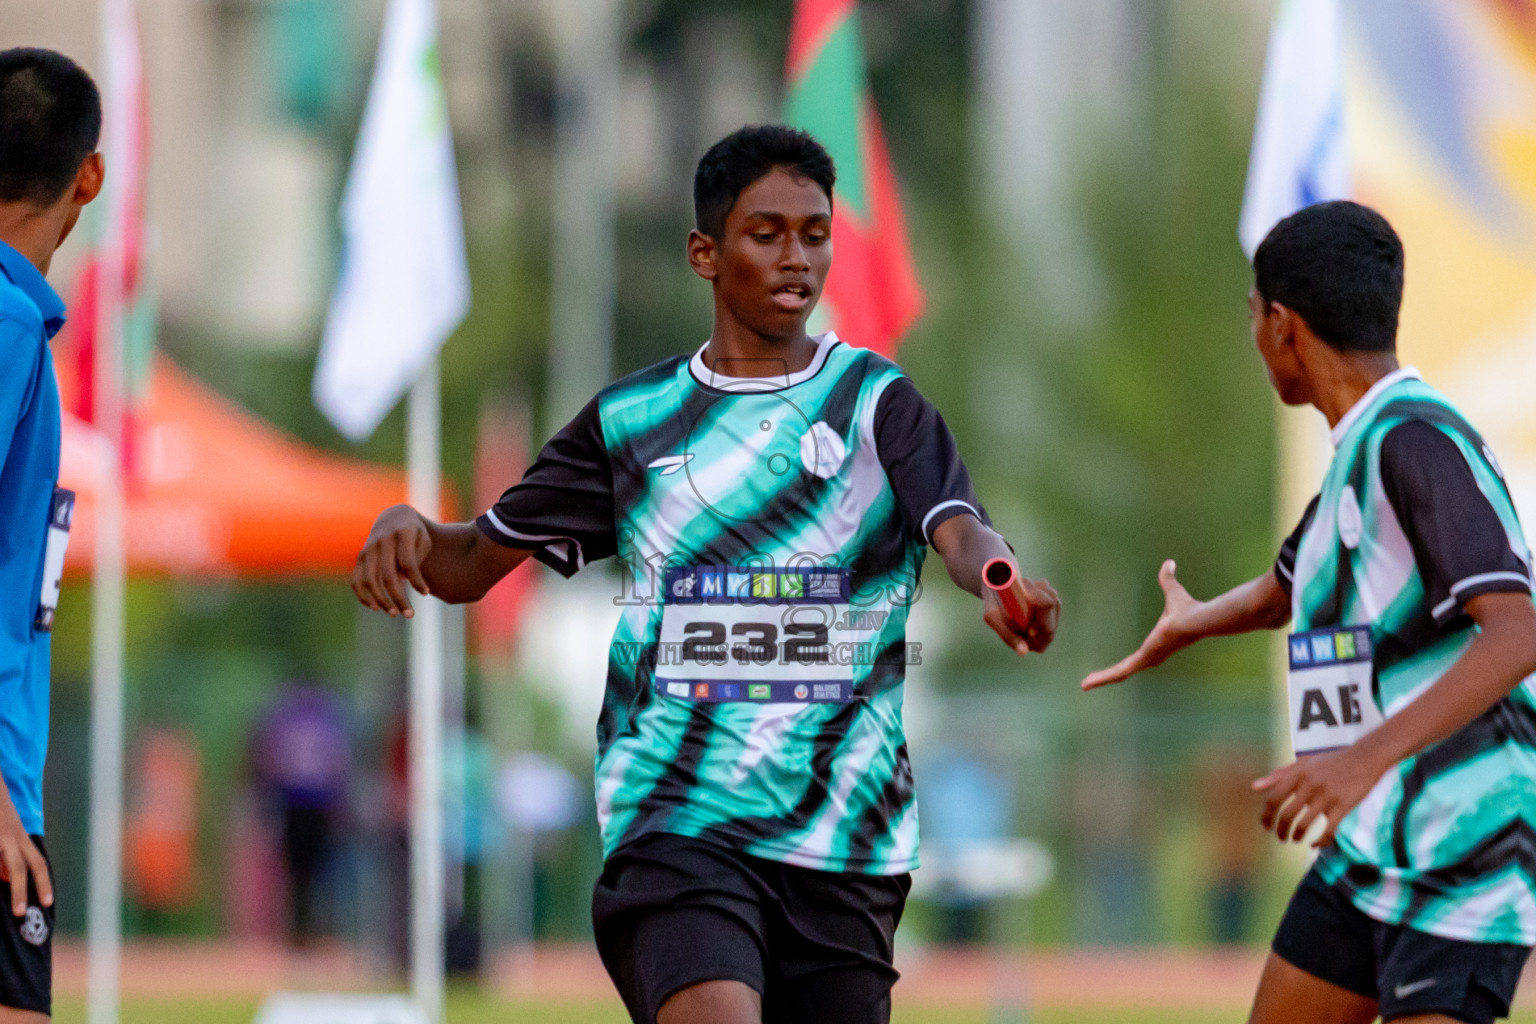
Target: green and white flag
{"x":404,"y":281}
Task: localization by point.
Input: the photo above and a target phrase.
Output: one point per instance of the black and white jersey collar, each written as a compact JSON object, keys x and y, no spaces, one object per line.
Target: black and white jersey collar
{"x":825,"y":343}
{"x":1402,"y":373}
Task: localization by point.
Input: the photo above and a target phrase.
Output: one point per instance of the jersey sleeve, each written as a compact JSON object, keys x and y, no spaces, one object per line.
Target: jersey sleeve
{"x":1285,"y":564}
{"x":921,"y":461}
{"x":18,"y":375}
{"x":1458,"y":539}
{"x":563,"y":508}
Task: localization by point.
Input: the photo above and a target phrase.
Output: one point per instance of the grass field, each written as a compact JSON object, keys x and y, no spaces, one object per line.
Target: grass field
{"x":474,"y":1008}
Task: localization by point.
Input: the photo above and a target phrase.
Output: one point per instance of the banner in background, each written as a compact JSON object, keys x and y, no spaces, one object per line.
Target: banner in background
{"x":1438,"y":132}
{"x":1442,"y":136}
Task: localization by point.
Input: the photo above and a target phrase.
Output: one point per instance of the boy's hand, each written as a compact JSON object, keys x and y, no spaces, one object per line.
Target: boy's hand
{"x":20,"y":855}
{"x":1172,"y":633}
{"x":391,"y":557}
{"x":1333,"y":784}
{"x":1043,"y":606}
{"x":967,"y":545}
{"x":1330,"y":785}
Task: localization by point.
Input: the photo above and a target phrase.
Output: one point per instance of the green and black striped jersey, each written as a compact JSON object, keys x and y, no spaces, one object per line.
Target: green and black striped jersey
{"x":1413,"y":521}
{"x":772,"y":530}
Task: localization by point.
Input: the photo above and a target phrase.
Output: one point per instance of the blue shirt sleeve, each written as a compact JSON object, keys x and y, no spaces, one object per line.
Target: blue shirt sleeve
{"x":20,"y":349}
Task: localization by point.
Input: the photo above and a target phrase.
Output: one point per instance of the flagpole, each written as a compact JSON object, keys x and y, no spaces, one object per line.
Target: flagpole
{"x":108,"y":579}
{"x":423,"y":462}
{"x":403,"y":289}
{"x":108,"y":584}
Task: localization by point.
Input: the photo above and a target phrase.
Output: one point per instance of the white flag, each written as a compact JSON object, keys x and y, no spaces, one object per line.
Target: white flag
{"x":1300,"y":156}
{"x":404,"y":282}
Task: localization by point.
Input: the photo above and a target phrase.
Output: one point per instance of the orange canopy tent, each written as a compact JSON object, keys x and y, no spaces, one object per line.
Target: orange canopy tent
{"x":214,"y":491}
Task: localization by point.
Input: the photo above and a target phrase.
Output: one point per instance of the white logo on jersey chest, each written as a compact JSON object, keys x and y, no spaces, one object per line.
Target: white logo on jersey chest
{"x":669,"y":464}
{"x":822,"y":451}
{"x":1351,"y":524}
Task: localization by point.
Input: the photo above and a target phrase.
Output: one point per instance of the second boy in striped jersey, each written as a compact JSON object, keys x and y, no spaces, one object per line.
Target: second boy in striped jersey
{"x":772,"y":497}
{"x":1408,"y":588}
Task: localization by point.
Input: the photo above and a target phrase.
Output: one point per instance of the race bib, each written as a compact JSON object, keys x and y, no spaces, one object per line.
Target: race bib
{"x":1329,"y":683}
{"x":757,"y":635}
{"x":61,"y":513}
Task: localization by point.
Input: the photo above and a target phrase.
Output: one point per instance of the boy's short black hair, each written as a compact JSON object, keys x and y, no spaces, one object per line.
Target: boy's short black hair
{"x":743,"y":157}
{"x":50,"y":121}
{"x":1340,"y":266}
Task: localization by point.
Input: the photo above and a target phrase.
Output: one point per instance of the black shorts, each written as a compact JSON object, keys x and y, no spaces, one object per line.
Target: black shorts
{"x":670,"y":912}
{"x":26,"y":949}
{"x":1407,"y":972}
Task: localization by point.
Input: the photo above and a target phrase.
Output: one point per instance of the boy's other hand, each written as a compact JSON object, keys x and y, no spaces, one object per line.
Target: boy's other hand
{"x":1329,"y":785}
{"x":1042,"y":607}
{"x":20,"y":855}
{"x":1171,"y":634}
{"x":391,"y":558}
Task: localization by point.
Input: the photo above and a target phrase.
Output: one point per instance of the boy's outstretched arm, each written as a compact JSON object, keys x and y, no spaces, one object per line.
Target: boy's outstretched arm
{"x":1331,"y":784}
{"x":1260,"y":603}
{"x":454,"y":562}
{"x":966,"y":544}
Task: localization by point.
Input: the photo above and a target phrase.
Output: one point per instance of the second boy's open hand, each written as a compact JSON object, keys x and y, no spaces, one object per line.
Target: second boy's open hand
{"x":1172,"y":633}
{"x":1329,"y":785}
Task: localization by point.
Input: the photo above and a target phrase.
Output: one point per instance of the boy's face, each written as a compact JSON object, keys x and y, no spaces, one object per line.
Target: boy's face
{"x":769,"y":268}
{"x":1274,"y":337}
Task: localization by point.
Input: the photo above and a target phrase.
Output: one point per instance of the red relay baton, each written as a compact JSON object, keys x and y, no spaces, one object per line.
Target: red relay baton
{"x":1000,"y":576}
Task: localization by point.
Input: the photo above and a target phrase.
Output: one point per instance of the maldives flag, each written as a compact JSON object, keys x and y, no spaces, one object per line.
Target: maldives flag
{"x":872,"y":295}
{"x":113,"y":292}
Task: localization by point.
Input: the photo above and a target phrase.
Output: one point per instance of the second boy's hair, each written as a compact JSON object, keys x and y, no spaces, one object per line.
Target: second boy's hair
{"x":1339,"y":265}
{"x":746,"y":155}
{"x":50,"y":121}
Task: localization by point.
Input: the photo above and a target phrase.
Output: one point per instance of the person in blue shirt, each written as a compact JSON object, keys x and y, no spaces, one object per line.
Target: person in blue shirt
{"x":50,"y":123}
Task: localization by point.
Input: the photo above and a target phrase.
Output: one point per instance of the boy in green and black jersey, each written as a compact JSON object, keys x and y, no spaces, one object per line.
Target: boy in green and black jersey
{"x":1407,"y":587}
{"x":773,"y":496}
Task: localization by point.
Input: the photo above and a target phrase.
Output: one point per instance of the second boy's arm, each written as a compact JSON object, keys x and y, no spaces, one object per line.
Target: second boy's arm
{"x":1498,"y":658}
{"x":1260,"y":603}
{"x":1468,"y":568}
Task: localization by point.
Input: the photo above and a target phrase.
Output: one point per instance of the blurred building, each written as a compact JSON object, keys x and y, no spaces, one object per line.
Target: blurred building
{"x":255,"y":104}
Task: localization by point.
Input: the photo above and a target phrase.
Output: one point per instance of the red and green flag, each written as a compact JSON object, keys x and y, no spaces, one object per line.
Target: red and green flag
{"x":872,"y":296}
{"x":114,"y":291}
